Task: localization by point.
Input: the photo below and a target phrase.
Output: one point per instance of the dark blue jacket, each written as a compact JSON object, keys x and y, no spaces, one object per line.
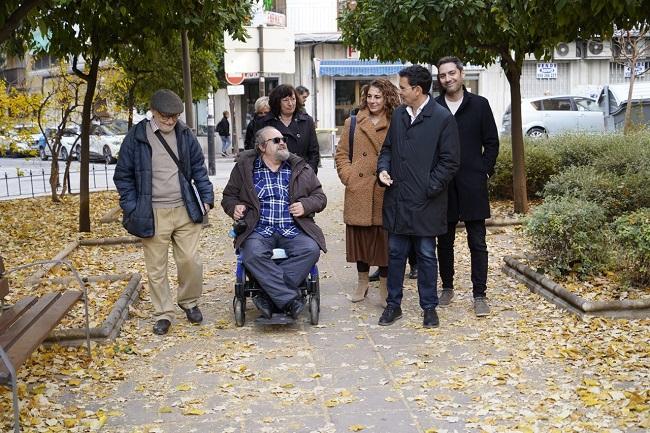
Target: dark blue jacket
{"x":421,"y":158}
{"x":133,"y":178}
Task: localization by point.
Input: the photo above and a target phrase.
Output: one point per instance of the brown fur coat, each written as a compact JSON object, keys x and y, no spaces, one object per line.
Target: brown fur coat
{"x":363,"y":196}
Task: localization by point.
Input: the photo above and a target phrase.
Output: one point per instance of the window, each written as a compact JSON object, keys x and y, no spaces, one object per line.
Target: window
{"x":537,"y":105}
{"x":586,"y":104}
{"x":44,"y":62}
{"x":557,"y":104}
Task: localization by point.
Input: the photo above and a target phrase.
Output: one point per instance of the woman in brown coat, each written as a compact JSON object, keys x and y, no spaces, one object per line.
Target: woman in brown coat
{"x":366,"y":241}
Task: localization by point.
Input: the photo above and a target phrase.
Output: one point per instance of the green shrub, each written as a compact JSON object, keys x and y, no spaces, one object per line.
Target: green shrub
{"x":541,"y":163}
{"x":616,"y":194}
{"x":578,"y":150}
{"x":632,"y":234}
{"x":632,"y":156}
{"x":570,"y":234}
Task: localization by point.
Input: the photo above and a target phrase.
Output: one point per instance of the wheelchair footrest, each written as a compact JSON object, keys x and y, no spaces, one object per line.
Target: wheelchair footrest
{"x":276,"y":319}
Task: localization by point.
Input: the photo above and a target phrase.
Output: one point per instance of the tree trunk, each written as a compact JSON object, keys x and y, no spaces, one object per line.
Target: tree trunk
{"x":187,"y":81}
{"x":130,"y":102}
{"x":518,"y":161}
{"x":84,"y":172}
{"x":54,"y":176}
{"x":627,"y":125}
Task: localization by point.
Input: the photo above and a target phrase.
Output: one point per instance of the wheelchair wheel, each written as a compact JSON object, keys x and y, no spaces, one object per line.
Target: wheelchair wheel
{"x":239,"y":308}
{"x":314,"y":298}
{"x":314,"y":310}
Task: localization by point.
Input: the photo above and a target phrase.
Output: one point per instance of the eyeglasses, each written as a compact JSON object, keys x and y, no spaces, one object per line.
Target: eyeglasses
{"x":288,"y":99}
{"x":165,"y":117}
{"x":277,"y":140}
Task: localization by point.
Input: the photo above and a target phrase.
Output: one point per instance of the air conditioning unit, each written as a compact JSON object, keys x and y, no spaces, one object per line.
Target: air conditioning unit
{"x":566,"y":51}
{"x":597,"y":49}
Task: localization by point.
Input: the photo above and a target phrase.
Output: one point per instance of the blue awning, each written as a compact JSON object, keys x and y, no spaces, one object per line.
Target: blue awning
{"x":358,"y":68}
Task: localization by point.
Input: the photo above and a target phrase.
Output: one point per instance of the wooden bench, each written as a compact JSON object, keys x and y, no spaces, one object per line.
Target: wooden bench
{"x":27,"y":323}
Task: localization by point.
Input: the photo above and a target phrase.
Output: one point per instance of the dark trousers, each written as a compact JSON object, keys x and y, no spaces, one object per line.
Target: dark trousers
{"x":280,"y":279}
{"x":398,"y":251}
{"x":478,"y":254}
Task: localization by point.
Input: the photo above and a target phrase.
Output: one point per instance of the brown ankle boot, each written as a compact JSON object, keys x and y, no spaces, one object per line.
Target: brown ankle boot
{"x":361,"y":291}
{"x":383,"y":290}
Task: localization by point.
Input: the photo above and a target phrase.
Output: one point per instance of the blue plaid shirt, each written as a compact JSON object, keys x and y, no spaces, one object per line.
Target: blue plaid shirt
{"x":273,"y":191}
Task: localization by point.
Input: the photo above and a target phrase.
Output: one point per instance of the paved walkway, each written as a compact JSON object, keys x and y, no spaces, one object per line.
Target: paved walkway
{"x":521,"y":369}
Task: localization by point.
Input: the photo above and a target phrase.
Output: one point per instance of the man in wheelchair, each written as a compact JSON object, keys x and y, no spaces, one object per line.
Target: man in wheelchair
{"x":276,"y":194}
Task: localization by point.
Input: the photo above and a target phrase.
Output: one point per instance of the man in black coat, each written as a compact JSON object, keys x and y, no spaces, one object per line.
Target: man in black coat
{"x":468,"y":193}
{"x":419,"y":157}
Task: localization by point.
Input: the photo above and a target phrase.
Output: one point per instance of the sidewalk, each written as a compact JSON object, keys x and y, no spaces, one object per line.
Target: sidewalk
{"x":527,"y":367}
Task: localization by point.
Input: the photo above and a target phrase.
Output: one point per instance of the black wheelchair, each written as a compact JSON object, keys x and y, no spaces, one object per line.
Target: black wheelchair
{"x":246,"y":287}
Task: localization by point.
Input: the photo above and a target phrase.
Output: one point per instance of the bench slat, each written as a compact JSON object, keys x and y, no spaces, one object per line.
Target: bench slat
{"x":41,"y":325}
{"x":8,"y":317}
{"x":4,"y":287}
{"x":26,"y":320}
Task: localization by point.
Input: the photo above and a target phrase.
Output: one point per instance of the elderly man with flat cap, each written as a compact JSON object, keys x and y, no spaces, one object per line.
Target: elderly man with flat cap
{"x":164,"y":194}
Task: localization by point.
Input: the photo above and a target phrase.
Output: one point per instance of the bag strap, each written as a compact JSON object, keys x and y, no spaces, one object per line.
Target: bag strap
{"x":353,"y":126}
{"x":179,"y":164}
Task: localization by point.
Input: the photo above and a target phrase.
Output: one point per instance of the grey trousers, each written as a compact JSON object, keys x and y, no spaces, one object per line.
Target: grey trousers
{"x":279,"y":279}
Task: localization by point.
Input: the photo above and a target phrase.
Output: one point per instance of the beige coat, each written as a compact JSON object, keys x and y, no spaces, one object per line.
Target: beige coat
{"x":363,"y":196}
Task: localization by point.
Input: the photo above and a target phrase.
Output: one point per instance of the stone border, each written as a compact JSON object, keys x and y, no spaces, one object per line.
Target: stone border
{"x":553,"y":292}
{"x":71,"y":246}
{"x":111,"y":327}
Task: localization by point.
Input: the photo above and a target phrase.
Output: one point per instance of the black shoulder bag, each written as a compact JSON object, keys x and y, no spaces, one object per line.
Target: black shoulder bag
{"x":179,"y":164}
{"x":353,"y":126}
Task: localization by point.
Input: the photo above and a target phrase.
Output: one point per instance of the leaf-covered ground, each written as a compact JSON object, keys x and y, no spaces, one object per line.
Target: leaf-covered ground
{"x":529,"y":367}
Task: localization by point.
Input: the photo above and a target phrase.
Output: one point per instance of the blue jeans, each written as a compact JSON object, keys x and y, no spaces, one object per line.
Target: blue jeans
{"x":398,"y":251}
{"x":225,"y":143}
{"x":280,"y":279}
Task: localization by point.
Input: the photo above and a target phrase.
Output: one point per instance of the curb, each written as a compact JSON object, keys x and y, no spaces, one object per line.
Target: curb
{"x":113,"y":323}
{"x":553,"y":292}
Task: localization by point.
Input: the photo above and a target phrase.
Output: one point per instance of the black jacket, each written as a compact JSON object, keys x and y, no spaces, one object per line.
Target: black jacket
{"x":223,"y":127}
{"x":249,"y":140}
{"x":421,"y":158}
{"x":133,"y":178}
{"x":479,"y":143}
{"x":301,"y":135}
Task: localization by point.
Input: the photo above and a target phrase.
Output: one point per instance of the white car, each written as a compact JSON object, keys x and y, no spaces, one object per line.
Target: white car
{"x":69,"y":142}
{"x":552,"y":115}
{"x":105,"y":144}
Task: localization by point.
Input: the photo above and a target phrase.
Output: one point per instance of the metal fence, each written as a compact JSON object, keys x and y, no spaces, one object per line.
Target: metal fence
{"x":32,"y":183}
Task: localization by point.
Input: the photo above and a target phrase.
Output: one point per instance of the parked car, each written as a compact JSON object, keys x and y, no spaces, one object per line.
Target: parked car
{"x":552,"y":115}
{"x":69,"y":144}
{"x":19,"y":141}
{"x":105,"y":144}
{"x":612,"y":101}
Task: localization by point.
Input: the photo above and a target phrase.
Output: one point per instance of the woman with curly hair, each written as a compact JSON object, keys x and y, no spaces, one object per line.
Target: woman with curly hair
{"x":366,"y":241}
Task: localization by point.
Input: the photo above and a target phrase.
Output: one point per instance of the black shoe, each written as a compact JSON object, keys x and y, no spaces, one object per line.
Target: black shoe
{"x":294,"y":308}
{"x":413,"y":275}
{"x":263,"y":305}
{"x":430,"y":318}
{"x":374,"y":276}
{"x":161,"y":327}
{"x":193,"y":314}
{"x":390,"y":315}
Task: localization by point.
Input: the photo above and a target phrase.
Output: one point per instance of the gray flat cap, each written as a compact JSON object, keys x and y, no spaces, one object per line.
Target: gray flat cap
{"x":166,"y":101}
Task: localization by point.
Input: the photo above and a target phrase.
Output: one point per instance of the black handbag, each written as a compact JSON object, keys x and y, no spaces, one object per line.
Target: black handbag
{"x":179,"y":164}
